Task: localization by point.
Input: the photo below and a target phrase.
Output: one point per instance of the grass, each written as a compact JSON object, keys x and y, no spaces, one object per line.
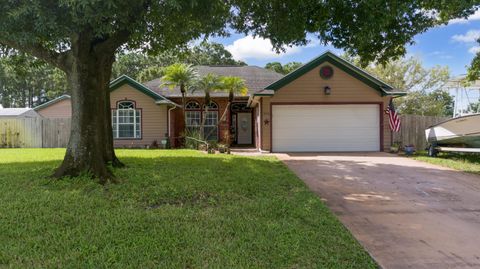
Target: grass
{"x":172,"y":209}
{"x":460,"y":161}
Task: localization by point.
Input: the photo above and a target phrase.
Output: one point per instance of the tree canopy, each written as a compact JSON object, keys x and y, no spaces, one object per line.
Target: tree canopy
{"x":375,"y":30}
{"x":27,"y":82}
{"x":423,"y":85}
{"x":473,"y":71}
{"x":434,"y":103}
{"x":283,"y":69}
{"x":144,"y":67}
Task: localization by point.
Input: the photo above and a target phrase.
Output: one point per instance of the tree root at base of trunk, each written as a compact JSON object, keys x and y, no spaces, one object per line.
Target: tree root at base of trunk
{"x":117,"y":163}
{"x":100,"y":172}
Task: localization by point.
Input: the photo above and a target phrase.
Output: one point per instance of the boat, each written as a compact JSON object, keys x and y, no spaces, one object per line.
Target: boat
{"x":460,"y":132}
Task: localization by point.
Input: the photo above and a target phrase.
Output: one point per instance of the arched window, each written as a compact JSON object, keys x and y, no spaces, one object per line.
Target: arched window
{"x":195,"y":113}
{"x":192,"y":105}
{"x":211,"y":121}
{"x":127,"y":121}
{"x":126,"y":105}
{"x":239,"y":107}
{"x":211,"y":106}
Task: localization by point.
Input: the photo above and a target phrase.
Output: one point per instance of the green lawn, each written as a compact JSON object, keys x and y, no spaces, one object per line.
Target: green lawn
{"x":459,"y":161}
{"x":171,"y":209}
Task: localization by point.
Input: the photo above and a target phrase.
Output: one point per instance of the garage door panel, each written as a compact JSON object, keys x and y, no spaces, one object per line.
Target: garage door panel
{"x":325,"y":128}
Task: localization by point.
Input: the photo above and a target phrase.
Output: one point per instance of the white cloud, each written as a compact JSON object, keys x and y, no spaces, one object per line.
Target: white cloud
{"x":440,"y":55}
{"x":256,"y":48}
{"x":469,"y":37}
{"x":474,"y":50}
{"x":474,"y":17}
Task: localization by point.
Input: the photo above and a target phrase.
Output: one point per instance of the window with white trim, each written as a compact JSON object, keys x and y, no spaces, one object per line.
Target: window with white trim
{"x":194,"y":114}
{"x":127,"y":121}
{"x":211,"y":122}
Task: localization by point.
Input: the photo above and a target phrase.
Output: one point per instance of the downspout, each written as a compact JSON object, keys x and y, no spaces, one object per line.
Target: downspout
{"x":169,"y":123}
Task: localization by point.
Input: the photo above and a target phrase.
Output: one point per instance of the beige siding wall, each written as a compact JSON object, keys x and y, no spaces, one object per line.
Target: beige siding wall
{"x":154,"y":117}
{"x":309,"y":89}
{"x":60,"y":109}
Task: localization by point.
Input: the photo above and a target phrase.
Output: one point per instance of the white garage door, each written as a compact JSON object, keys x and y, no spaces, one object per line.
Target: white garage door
{"x":310,"y":128}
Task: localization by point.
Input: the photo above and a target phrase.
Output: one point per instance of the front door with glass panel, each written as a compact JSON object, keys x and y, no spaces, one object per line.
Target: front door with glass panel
{"x":244,"y":128}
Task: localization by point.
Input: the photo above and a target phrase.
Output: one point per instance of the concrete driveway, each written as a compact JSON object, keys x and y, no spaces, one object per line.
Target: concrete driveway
{"x":406,"y":213}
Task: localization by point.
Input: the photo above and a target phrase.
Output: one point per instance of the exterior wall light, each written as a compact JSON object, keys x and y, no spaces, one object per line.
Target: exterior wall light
{"x":327,"y":90}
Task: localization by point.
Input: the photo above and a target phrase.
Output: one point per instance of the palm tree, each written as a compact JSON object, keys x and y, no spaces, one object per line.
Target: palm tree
{"x":207,"y":84}
{"x":182,"y":76}
{"x":234,"y":86}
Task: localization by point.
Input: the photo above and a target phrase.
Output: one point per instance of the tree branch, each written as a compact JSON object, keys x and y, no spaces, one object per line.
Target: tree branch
{"x":120,"y":37}
{"x":55,"y":58}
{"x":113,"y":42}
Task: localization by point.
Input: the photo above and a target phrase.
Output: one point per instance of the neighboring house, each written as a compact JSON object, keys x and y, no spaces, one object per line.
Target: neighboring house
{"x":18,"y":113}
{"x":60,"y":107}
{"x":327,"y":104}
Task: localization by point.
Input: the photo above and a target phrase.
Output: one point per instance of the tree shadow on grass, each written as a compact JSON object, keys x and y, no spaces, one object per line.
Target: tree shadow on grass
{"x":154,"y":181}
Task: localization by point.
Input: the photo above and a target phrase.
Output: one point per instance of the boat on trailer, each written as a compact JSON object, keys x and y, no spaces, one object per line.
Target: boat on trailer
{"x":460,"y":134}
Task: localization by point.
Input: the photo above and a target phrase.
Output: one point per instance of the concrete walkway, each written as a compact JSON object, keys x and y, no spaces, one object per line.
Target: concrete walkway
{"x":406,"y":213}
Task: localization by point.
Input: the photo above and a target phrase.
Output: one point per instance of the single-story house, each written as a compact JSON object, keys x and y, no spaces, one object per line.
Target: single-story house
{"x":18,"y":113}
{"x":328,"y":104}
{"x":57,"y":108}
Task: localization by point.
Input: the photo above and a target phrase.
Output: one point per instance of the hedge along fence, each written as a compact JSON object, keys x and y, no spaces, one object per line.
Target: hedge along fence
{"x":34,"y":133}
{"x":412,"y":130}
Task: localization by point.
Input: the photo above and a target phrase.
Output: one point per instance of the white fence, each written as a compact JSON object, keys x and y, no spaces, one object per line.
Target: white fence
{"x":34,"y":133}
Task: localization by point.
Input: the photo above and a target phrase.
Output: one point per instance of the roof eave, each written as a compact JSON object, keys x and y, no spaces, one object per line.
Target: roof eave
{"x":396,"y":94}
{"x":51,"y":102}
{"x":263,"y":94}
{"x":389,"y":92}
{"x":167,"y":102}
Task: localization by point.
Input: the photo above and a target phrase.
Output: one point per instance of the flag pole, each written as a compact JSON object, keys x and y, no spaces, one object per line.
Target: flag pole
{"x":391,"y":131}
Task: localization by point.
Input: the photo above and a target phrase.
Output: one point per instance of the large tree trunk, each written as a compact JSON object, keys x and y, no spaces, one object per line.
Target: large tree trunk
{"x":90,"y":148}
{"x":110,"y":155}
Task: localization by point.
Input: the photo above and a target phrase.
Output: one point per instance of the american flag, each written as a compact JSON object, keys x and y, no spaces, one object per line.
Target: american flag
{"x":394,"y":119}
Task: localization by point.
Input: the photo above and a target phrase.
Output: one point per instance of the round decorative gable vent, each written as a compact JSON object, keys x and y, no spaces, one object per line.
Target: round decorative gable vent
{"x":326,"y":72}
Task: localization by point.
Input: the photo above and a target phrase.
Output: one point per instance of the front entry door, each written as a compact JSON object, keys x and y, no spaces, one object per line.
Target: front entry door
{"x":244,"y":128}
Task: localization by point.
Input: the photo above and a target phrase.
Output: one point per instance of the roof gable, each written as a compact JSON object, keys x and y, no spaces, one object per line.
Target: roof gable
{"x":115,"y":84}
{"x":124,"y":79}
{"x":340,"y":63}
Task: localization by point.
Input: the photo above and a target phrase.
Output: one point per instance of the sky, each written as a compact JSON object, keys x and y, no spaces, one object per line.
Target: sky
{"x":452,"y":45}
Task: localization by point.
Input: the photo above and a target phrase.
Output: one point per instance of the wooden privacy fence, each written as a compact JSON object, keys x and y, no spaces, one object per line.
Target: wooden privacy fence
{"x":34,"y":133}
{"x":412,"y":130}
